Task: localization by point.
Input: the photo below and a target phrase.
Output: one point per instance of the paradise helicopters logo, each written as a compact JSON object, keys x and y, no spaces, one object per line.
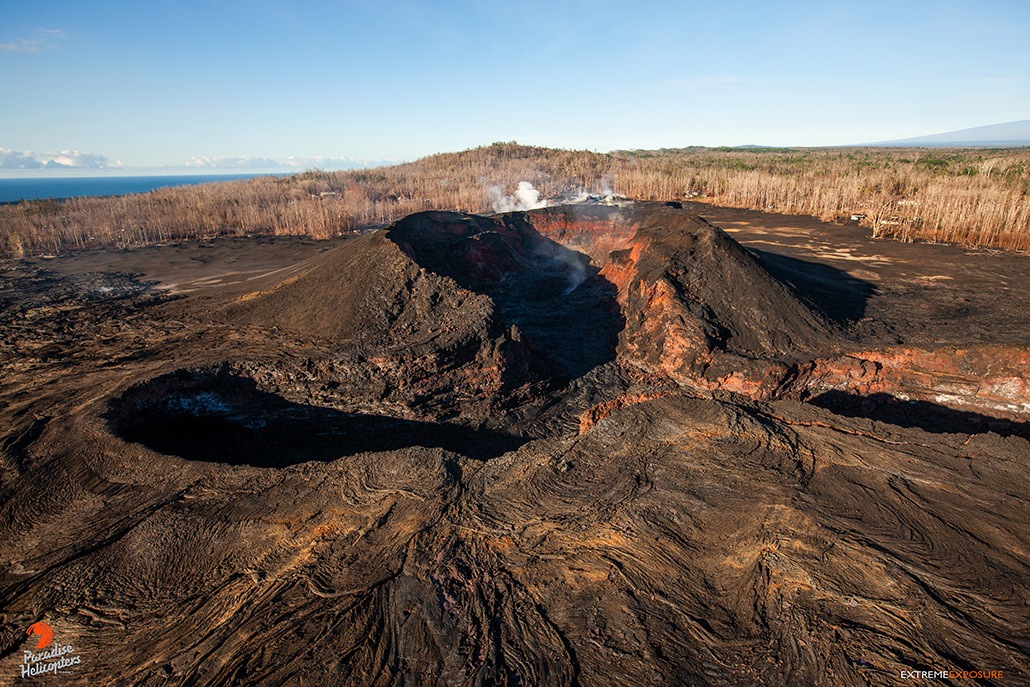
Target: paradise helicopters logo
{"x":48,"y":656}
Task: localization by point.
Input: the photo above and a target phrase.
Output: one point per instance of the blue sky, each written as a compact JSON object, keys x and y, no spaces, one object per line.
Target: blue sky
{"x":166,"y":83}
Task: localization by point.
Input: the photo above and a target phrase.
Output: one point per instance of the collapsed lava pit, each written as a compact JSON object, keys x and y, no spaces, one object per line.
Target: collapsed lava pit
{"x":219,"y":417}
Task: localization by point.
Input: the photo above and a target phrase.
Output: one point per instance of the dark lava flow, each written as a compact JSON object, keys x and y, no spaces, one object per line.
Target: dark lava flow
{"x":323,"y":475}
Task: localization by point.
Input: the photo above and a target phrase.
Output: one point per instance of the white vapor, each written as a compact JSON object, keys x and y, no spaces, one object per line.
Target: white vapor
{"x":525,"y":198}
{"x":600,"y":191}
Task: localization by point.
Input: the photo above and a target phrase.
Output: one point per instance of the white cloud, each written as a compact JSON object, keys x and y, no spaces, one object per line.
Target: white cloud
{"x":74,"y":158}
{"x":38,"y":41}
{"x":13,"y":159}
{"x":286,"y":164}
{"x":65,"y":159}
{"x":23,"y":45}
{"x":223,"y":162}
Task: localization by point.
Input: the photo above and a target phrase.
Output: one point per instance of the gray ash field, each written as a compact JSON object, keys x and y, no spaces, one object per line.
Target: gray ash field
{"x":583,"y":445}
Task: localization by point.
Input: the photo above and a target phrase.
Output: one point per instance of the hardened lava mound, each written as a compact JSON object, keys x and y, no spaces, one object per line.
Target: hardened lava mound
{"x":582,"y":445}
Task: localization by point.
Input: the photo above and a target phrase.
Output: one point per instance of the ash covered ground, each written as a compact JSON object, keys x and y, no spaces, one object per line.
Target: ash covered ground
{"x":581,"y":445}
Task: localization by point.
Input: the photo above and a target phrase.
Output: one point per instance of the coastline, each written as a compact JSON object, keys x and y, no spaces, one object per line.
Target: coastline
{"x":15,"y":189}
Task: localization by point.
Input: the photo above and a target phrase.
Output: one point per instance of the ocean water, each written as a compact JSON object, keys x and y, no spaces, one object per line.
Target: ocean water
{"x":12,"y":190}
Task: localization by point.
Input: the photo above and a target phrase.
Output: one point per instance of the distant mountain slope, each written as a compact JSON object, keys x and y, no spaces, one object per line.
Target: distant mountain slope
{"x":1005,"y":135}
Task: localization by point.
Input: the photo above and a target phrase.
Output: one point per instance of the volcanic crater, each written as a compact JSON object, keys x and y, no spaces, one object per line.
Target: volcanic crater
{"x":578,"y":445}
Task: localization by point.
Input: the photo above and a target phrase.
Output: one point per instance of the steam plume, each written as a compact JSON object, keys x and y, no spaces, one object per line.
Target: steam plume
{"x":525,"y":198}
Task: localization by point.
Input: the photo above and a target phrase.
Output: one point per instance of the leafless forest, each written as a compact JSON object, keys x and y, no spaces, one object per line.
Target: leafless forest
{"x":970,"y":196}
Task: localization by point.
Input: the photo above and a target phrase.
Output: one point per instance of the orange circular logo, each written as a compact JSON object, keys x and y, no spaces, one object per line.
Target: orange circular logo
{"x":46,"y":635}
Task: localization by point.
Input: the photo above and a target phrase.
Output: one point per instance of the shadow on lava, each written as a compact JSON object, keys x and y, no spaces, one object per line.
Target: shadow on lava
{"x":225,"y":419}
{"x":922,"y":414}
{"x":833,"y":292}
{"x":552,"y":293}
{"x":577,"y":326}
{"x":562,"y":303}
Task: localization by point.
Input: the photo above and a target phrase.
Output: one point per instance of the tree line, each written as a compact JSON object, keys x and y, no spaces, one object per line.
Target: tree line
{"x":970,"y":196}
